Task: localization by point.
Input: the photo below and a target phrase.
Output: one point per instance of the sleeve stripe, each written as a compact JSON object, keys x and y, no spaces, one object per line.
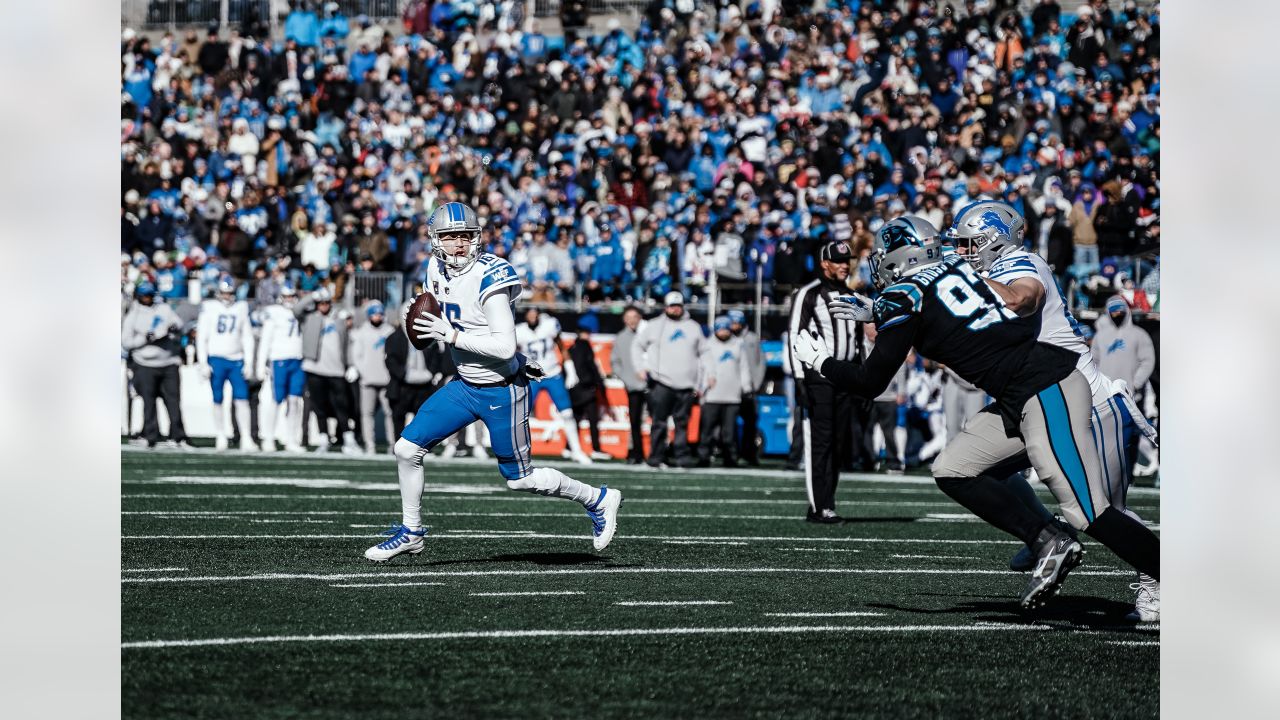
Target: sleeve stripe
{"x":1016,"y":273}
{"x":895,"y":320}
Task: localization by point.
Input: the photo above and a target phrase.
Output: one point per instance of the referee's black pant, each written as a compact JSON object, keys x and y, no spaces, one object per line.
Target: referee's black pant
{"x":750,"y":429}
{"x":159,"y":382}
{"x":827,"y":437}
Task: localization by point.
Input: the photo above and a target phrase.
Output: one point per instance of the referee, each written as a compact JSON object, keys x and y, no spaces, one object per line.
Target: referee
{"x":827,"y":410}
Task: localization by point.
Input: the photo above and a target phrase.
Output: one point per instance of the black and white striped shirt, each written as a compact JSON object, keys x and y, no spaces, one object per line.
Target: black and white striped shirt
{"x":810,"y":309}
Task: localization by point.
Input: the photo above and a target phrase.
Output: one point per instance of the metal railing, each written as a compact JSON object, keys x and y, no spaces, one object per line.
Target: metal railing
{"x":159,"y":14}
{"x":385,"y":287}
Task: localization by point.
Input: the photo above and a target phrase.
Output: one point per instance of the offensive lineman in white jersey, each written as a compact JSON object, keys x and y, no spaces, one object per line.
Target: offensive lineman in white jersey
{"x":282,"y":349}
{"x":477,"y":293}
{"x":538,"y":337}
{"x":989,"y":235}
{"x":224,"y":340}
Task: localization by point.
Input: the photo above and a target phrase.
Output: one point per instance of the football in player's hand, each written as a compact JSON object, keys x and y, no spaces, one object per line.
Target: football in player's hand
{"x":424,"y":303}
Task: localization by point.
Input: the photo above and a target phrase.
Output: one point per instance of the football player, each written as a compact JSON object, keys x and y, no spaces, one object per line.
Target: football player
{"x":936,"y":302}
{"x":538,"y":338}
{"x":477,"y":293}
{"x":223,"y":340}
{"x":282,"y":348}
{"x":989,"y":235}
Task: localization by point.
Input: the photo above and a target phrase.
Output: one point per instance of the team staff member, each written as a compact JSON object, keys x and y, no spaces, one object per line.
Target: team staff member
{"x":150,"y":335}
{"x":667,"y":350}
{"x":828,"y":409}
{"x":412,"y":378}
{"x":369,"y":366}
{"x":724,"y":381}
{"x":632,"y":377}
{"x":753,"y":356}
{"x":324,"y":360}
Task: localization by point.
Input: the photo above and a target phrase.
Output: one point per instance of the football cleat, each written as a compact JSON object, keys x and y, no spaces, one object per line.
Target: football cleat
{"x":1146,"y":606}
{"x":604,"y":516}
{"x":448,"y":452}
{"x":582,"y":459}
{"x":220,"y":443}
{"x":1025,"y":558}
{"x":824,"y":517}
{"x":1057,"y":554}
{"x":248,"y":445}
{"x":400,"y":540}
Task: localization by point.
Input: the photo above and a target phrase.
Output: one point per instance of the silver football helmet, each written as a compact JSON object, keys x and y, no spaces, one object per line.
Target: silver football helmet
{"x":984,"y":231}
{"x":903,"y":247}
{"x":449,"y":219}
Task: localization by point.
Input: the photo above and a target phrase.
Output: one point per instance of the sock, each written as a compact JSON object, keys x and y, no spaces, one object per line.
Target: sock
{"x":293,"y":409}
{"x":273,"y":422}
{"x":1018,"y":485}
{"x":242,"y":419}
{"x":409,"y":469}
{"x":900,"y":437}
{"x":349,"y":439}
{"x":993,"y":501}
{"x":571,"y":431}
{"x":1128,"y":538}
{"x":553,"y":483}
{"x":220,"y":419}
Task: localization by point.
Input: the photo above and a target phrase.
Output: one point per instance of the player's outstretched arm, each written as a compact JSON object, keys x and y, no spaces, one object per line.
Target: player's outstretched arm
{"x":870,"y":379}
{"x":501,"y":341}
{"x":1024,"y":296}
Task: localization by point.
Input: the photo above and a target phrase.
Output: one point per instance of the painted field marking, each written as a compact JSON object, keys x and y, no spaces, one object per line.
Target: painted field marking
{"x":851,"y":613}
{"x":263,"y":577}
{"x":520,"y":634}
{"x":702,"y":542}
{"x":528,"y":593}
{"x":670,"y":603}
{"x":381,"y":585}
{"x":1135,"y":643}
{"x":153,"y":569}
{"x":822,"y":549}
{"x":491,"y":535}
{"x":936,"y":557}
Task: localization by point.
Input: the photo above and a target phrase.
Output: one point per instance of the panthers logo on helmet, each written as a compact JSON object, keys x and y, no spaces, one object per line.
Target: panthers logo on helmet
{"x":898,"y":236}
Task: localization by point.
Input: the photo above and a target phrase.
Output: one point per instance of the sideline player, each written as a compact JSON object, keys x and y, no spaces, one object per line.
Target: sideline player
{"x":282,"y":348}
{"x":538,"y":337}
{"x":477,"y":292}
{"x":989,"y":235}
{"x":223,"y":340}
{"x":937,"y":303}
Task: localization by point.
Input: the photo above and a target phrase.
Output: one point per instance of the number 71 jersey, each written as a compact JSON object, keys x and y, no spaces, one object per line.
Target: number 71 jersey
{"x":462,"y":297}
{"x":956,"y":319}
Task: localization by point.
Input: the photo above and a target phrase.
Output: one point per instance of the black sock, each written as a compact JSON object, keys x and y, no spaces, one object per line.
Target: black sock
{"x":993,"y":501}
{"x":1019,"y":486}
{"x":1128,"y":538}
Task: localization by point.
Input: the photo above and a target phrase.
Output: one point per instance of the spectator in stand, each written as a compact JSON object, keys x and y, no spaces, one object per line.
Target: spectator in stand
{"x":622,"y":361}
{"x":1084,"y":240}
{"x":1123,"y":350}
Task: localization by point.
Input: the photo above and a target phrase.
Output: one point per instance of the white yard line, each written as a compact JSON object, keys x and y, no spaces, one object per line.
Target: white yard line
{"x":1135,"y":643}
{"x":702,"y":542}
{"x":822,"y":549}
{"x":851,"y":613}
{"x":489,"y":535}
{"x":383,"y":585}
{"x":153,"y":570}
{"x":591,"y":633}
{"x":670,"y":603}
{"x":264,"y":577}
{"x":528,"y":593}
{"x":936,"y":557}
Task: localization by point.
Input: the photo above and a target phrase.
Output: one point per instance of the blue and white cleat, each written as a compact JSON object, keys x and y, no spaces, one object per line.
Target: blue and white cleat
{"x":604,"y":516}
{"x":401,"y":540}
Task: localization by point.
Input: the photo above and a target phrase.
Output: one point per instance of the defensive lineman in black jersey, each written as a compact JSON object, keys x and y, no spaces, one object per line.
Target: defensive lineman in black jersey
{"x":933,"y":300}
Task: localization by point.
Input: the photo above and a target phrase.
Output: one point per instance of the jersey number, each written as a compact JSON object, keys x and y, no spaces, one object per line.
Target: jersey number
{"x":226,"y":323}
{"x":453,"y":313}
{"x":964,"y":301}
{"x":293,"y":327}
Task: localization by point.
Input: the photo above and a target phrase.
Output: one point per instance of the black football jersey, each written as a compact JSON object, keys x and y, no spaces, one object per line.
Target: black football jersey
{"x":950,"y":315}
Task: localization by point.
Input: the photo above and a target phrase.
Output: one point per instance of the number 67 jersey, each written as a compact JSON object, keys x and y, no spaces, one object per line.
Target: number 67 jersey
{"x":953,"y":317}
{"x":462,"y":297}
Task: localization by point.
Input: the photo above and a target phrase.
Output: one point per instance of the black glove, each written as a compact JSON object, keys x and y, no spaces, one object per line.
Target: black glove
{"x":533,"y":371}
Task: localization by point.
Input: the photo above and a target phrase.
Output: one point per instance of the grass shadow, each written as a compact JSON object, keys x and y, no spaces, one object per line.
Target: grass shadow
{"x":1079,"y":612}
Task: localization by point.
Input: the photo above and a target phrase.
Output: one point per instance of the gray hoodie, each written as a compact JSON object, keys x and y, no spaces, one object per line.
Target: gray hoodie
{"x":368,"y":354}
{"x":158,"y":319}
{"x":622,"y":363}
{"x":724,"y":375}
{"x":753,"y":356}
{"x":313,"y":324}
{"x":669,"y":350}
{"x":1124,"y":352}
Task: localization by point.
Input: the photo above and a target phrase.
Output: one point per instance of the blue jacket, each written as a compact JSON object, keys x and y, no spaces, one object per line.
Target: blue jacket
{"x":303,"y":27}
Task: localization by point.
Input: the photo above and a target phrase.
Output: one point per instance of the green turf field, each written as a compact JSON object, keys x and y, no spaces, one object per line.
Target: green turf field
{"x":246,"y":595}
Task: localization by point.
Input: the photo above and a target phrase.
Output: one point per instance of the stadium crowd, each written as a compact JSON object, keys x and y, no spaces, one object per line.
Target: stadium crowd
{"x":625,"y":165}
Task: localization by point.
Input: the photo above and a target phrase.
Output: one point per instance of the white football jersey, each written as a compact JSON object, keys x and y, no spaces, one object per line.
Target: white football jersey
{"x":1057,"y":325}
{"x":539,"y":343}
{"x":462,"y":297}
{"x":281,"y":334}
{"x":223,"y":330}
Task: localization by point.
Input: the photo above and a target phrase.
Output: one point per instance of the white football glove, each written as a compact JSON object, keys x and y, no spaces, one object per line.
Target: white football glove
{"x":854,"y":308}
{"x":435,"y":328}
{"x":570,"y":375}
{"x":809,"y":350}
{"x":352,"y":374}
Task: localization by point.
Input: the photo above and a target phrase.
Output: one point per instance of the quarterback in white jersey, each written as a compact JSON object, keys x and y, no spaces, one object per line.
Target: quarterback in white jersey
{"x":281,"y":361}
{"x":476,"y":292}
{"x":224,"y":340}
{"x":538,"y":337}
{"x":989,"y":235}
